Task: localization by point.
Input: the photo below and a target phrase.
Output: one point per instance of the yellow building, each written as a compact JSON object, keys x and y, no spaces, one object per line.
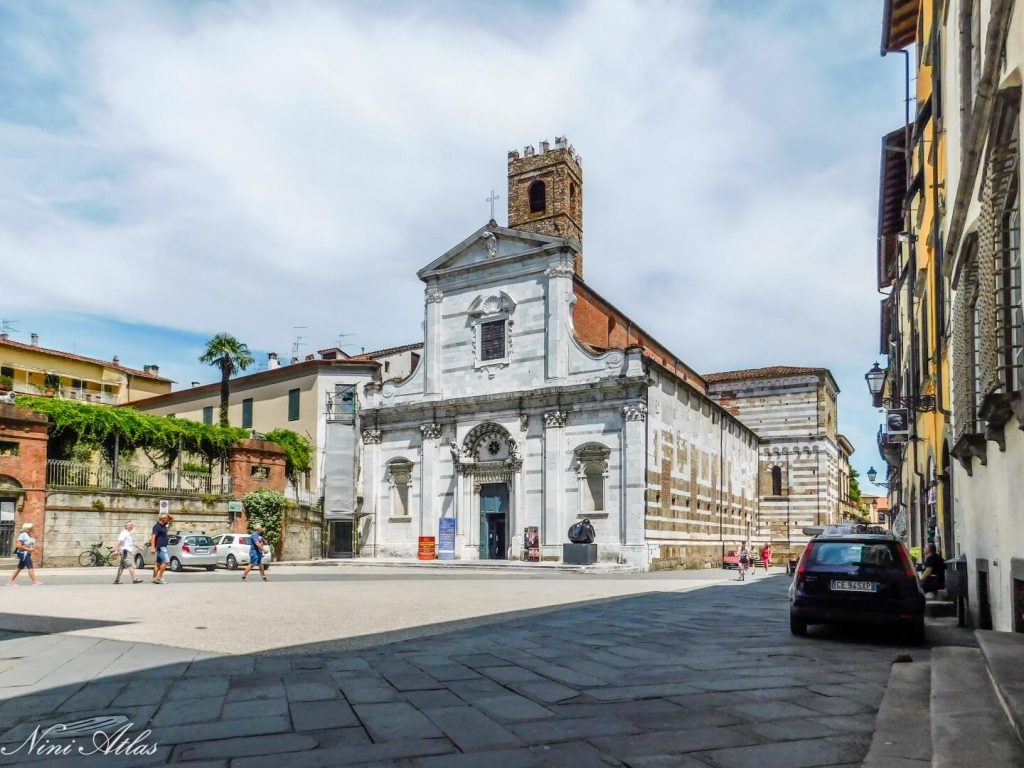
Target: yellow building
{"x":915,"y":313}
{"x":34,"y":370}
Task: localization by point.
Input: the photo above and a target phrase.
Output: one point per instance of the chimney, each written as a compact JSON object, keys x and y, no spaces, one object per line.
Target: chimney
{"x":152,"y":370}
{"x":35,"y":339}
{"x":117,"y":360}
{"x":272,"y":361}
{"x":3,"y":336}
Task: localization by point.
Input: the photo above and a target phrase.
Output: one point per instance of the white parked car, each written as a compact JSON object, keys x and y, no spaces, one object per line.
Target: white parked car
{"x":232,"y":550}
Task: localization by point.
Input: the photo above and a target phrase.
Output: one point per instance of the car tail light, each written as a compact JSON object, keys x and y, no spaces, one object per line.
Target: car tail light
{"x":908,"y":564}
{"x":185,"y":548}
{"x":214,"y":549}
{"x":801,"y":566}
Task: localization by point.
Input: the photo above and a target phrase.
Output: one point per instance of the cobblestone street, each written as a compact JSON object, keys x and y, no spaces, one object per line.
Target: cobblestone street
{"x":710,"y":677}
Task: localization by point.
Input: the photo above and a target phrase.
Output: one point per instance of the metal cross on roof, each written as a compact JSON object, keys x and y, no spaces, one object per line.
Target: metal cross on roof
{"x":491,"y":200}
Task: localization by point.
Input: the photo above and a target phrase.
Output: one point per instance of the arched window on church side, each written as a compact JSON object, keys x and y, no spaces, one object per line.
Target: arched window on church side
{"x":776,"y":481}
{"x":538,"y":197}
{"x":399,"y":478}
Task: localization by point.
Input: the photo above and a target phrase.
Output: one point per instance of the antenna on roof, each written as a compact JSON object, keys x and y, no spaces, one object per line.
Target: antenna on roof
{"x":299,"y":342}
{"x":7,"y":327}
{"x":342,"y":336}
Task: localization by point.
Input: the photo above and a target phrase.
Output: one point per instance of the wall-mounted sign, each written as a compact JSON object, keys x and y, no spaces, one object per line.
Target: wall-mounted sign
{"x":235,"y":507}
{"x":165,"y":506}
{"x":897,"y":425}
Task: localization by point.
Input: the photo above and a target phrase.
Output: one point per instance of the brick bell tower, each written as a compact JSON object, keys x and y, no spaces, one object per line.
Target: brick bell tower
{"x":545,"y":192}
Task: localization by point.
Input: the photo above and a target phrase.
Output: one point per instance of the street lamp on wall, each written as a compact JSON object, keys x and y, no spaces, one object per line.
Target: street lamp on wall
{"x":876,"y":380}
{"x":872,"y":473}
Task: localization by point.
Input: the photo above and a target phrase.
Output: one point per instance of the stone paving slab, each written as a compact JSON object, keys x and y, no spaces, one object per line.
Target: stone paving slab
{"x":660,"y":679}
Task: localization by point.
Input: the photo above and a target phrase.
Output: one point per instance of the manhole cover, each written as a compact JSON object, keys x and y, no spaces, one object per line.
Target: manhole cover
{"x":86,"y":727}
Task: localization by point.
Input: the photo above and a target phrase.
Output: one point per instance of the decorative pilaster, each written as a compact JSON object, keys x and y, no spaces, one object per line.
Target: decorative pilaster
{"x":634,"y":446}
{"x":555,"y":419}
{"x":551,"y":533}
{"x":559,"y":292}
{"x":634,"y":412}
{"x":432,"y":341}
{"x":372,"y":437}
{"x":430,"y":431}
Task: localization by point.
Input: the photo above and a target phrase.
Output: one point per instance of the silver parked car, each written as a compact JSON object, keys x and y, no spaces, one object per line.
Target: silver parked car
{"x":232,"y":550}
{"x":190,"y":549}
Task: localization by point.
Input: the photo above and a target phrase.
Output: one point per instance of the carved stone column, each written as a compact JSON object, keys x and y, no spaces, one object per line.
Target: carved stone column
{"x":552,"y":535}
{"x":431,"y":434}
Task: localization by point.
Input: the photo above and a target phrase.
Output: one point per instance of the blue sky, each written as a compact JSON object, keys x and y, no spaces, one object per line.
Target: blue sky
{"x":172,"y":170}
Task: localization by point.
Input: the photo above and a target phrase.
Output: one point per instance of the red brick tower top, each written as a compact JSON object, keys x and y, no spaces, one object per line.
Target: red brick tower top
{"x":545,"y":191}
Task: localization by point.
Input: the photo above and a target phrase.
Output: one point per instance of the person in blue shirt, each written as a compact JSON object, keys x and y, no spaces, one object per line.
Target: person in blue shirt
{"x":158,"y":542}
{"x":258,"y":546}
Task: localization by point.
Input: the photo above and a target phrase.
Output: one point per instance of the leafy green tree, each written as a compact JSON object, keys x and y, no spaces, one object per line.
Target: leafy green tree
{"x":855,"y":488}
{"x":229,"y":354}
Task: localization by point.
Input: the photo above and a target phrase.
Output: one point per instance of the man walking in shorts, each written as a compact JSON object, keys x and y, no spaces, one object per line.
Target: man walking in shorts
{"x":158,"y":541}
{"x":257,"y":547}
{"x":126,"y":549}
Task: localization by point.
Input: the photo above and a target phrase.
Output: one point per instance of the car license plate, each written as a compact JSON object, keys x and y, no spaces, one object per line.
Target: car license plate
{"x":839,"y":585}
{"x":202,"y":550}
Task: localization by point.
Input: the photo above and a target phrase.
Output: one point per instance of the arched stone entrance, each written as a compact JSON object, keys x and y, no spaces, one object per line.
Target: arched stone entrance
{"x":488,"y":463}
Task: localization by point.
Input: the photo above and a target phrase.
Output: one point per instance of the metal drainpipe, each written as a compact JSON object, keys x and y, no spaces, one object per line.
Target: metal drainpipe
{"x":721,"y":468}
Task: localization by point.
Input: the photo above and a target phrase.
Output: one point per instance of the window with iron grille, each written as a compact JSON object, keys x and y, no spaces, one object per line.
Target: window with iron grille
{"x":1004,"y":170}
{"x":492,"y":340}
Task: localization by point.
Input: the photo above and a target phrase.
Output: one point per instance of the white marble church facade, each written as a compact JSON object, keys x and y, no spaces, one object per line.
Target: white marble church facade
{"x":515,"y":419}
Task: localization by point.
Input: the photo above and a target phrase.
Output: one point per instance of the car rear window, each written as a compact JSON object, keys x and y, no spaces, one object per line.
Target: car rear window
{"x":243,"y":540}
{"x":877,"y":554}
{"x":202,"y":541}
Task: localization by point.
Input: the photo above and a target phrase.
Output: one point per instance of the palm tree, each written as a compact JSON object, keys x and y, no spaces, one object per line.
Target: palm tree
{"x":230,"y":355}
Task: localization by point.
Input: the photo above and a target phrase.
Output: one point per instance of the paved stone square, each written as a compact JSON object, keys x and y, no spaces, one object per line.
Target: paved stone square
{"x":656,"y":677}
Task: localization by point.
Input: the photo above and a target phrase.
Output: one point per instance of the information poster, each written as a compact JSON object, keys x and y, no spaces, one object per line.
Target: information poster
{"x":532,"y":543}
{"x":446,"y":539}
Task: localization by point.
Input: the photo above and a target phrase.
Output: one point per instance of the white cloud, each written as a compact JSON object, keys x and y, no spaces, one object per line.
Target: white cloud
{"x":254,"y":166}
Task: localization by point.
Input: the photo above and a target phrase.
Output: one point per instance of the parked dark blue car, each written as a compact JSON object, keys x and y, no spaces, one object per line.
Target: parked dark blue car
{"x":856,"y":575}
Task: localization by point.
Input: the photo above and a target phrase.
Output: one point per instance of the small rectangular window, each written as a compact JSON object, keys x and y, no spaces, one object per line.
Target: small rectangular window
{"x":208,"y":414}
{"x":492,"y":340}
{"x":293,"y":405}
{"x":8,"y":448}
{"x":5,"y":371}
{"x":247,"y":413}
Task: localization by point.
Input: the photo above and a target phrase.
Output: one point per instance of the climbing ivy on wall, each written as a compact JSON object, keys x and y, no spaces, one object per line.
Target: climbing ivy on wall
{"x":297,"y":449}
{"x":80,"y":428}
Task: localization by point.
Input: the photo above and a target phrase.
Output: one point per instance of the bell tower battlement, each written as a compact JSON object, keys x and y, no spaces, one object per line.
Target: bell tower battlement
{"x":545,"y":192}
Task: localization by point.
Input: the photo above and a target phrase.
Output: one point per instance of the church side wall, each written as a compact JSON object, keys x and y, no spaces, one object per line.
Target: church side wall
{"x":701,"y":492}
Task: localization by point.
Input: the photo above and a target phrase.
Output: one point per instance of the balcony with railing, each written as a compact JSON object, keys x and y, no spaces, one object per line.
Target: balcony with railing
{"x":130,"y":478}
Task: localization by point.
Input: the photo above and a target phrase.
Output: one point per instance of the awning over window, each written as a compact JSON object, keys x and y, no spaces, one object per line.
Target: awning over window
{"x":892,"y":187}
{"x":899,"y":24}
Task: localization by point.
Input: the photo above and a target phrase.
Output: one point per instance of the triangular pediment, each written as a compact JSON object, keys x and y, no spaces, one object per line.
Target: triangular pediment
{"x":491,"y":244}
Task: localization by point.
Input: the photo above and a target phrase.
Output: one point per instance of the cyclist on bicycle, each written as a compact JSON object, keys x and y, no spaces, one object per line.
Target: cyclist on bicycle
{"x":744,"y":560}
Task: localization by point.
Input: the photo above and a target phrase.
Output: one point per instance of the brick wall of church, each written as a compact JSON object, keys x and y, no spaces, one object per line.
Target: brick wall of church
{"x":598,"y":323}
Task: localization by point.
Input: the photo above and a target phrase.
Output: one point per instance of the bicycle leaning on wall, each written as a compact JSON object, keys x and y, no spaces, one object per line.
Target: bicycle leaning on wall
{"x":94,"y":555}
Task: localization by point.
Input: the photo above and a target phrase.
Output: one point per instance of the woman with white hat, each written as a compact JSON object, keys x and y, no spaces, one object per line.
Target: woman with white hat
{"x":24,"y":549}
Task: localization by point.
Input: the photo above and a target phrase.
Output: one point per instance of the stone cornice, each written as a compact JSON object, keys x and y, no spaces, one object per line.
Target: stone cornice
{"x":601,"y":394}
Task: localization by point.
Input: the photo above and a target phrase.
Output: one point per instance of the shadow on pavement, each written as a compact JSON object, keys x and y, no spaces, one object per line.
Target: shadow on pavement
{"x":45,"y":625}
{"x":713,"y":674}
